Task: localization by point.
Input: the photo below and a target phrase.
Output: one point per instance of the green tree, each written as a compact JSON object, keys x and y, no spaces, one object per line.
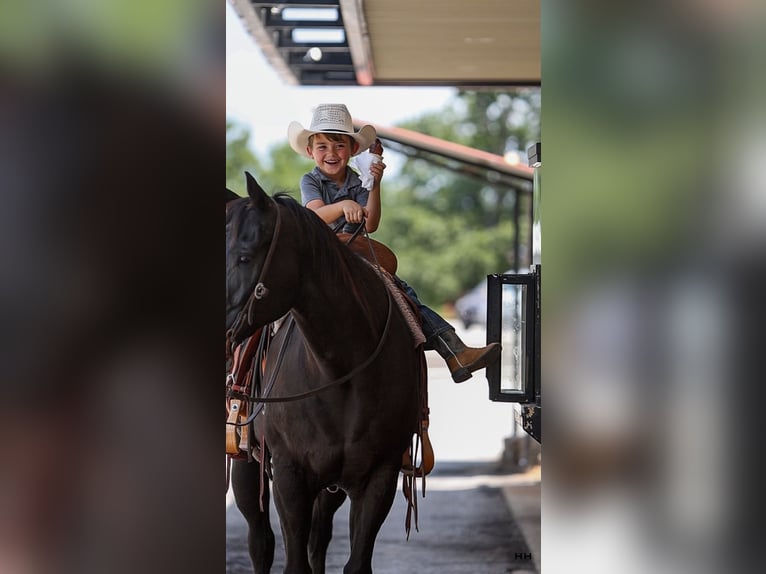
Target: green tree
{"x":439,"y":256}
{"x":496,"y":122}
{"x":239,"y":158}
{"x":280,"y":170}
{"x":450,"y":230}
{"x":283,"y":170}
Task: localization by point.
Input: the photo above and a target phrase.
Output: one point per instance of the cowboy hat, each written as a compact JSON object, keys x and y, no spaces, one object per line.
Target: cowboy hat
{"x":329,"y":119}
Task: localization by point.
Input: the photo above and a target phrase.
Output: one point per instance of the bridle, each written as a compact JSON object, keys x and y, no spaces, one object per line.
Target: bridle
{"x":260,"y":291}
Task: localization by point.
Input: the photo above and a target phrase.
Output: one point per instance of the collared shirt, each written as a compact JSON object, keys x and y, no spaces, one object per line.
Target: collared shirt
{"x":316,"y":185}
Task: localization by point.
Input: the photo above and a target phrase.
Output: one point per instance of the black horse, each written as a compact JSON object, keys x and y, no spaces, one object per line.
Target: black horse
{"x":350,"y":349}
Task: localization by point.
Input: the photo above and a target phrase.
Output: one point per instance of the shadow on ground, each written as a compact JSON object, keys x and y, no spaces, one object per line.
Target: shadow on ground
{"x":465,"y":527}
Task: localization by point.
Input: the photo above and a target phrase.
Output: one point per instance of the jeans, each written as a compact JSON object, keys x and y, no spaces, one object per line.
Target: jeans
{"x":433,"y":324}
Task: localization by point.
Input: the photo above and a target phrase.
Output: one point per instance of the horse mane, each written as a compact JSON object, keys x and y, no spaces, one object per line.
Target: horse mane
{"x":340,"y":266}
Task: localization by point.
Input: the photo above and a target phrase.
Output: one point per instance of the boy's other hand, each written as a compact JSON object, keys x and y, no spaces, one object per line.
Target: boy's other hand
{"x":353,"y":212}
{"x":376,"y":171}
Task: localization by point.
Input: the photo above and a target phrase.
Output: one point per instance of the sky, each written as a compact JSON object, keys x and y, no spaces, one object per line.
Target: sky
{"x":259,"y":99}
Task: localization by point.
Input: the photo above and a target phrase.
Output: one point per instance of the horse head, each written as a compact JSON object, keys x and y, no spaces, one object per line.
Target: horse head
{"x":259,"y":282}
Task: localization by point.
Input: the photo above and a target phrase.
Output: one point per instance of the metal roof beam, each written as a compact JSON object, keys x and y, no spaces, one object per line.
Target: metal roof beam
{"x":358,"y":39}
{"x":486,"y":161}
{"x":324,"y":78}
{"x":298,"y":4}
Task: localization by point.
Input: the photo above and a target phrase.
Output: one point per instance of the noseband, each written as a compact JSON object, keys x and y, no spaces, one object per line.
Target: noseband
{"x":260,"y":291}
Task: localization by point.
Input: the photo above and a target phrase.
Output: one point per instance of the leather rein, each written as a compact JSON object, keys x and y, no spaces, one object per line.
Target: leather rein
{"x":260,"y":292}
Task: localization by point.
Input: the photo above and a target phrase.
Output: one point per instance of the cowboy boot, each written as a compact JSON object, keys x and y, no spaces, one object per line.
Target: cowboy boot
{"x":462,"y":360}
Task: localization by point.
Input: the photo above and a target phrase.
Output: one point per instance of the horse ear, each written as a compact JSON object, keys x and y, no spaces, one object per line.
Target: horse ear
{"x":259,"y":197}
{"x":231,"y":196}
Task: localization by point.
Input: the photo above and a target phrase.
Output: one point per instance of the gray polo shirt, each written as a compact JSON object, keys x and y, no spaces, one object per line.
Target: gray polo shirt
{"x":316,"y":185}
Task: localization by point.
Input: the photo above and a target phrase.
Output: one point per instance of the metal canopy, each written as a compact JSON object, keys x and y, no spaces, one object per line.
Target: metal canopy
{"x":398,"y":42}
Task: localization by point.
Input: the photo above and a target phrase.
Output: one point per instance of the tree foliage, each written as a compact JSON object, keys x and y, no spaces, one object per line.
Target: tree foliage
{"x":449,"y":230}
{"x":496,"y":122}
{"x":239,"y":158}
{"x":280,"y":171}
{"x":285,"y":170}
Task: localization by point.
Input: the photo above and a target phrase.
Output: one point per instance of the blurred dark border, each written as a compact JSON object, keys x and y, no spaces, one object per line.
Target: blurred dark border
{"x":112,"y":124}
{"x":653,"y":231}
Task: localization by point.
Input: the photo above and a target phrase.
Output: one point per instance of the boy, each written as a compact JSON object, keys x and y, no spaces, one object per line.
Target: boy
{"x":335,"y":193}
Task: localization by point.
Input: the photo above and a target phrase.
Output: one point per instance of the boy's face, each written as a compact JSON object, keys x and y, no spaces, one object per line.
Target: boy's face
{"x":331,"y":156}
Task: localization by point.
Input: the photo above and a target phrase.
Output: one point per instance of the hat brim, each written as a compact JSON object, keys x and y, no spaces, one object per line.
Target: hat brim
{"x":299,"y":137}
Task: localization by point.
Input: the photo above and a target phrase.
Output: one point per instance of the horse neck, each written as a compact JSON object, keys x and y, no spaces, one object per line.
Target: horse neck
{"x":341,"y":322}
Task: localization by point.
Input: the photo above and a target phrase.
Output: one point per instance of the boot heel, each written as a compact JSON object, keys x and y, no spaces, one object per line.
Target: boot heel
{"x":461,"y":374}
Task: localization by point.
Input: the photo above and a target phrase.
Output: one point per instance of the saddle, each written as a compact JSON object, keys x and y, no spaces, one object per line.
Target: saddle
{"x":373,"y":251}
{"x":243,"y":376}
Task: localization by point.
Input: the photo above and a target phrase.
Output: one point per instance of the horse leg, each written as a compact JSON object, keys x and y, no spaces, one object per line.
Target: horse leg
{"x":246,"y":481}
{"x":294,"y":503}
{"x":325,"y":506}
{"x":369,"y":508}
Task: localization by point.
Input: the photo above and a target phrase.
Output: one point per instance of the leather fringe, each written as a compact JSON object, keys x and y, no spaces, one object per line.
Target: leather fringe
{"x":418,"y":459}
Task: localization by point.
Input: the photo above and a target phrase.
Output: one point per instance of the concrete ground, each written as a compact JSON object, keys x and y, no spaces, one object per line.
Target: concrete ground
{"x":474,"y":519}
{"x":523,"y":500}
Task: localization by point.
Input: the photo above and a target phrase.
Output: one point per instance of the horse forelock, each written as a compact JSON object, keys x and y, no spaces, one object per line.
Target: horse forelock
{"x":244,"y":230}
{"x":237,"y":214}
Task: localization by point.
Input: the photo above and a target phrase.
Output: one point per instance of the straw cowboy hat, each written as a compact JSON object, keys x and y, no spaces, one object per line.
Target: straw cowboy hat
{"x":332,"y":119}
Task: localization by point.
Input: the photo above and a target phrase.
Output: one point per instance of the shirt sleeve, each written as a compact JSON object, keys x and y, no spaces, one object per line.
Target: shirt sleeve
{"x":310,"y":189}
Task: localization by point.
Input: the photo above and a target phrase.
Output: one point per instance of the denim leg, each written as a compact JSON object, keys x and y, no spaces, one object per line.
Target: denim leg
{"x":433,"y":323}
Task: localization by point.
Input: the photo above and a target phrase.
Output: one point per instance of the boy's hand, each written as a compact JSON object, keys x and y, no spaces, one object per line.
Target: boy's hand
{"x":352,"y":211}
{"x":376,"y":171}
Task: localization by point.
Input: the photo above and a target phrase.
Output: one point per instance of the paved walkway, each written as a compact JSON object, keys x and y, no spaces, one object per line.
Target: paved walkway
{"x":523,"y":500}
{"x":473,"y":520}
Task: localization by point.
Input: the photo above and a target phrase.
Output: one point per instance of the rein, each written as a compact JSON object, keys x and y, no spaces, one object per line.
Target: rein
{"x":361,"y":229}
{"x":299,"y":396}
